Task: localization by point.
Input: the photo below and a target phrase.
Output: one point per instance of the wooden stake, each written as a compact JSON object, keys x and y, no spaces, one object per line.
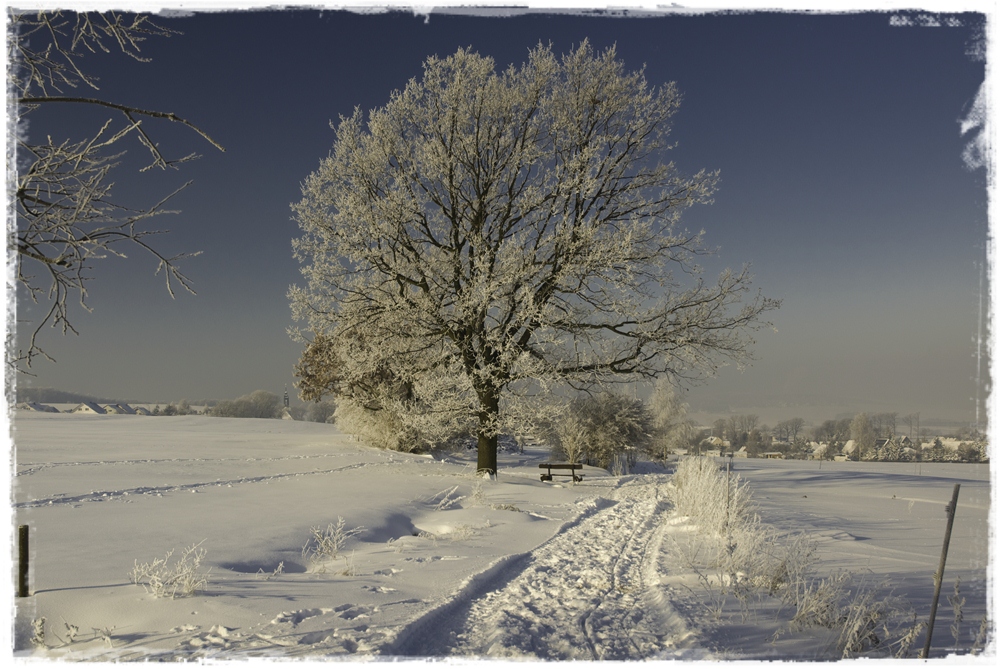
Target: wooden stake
{"x":22,"y":560}
{"x":939,"y":576}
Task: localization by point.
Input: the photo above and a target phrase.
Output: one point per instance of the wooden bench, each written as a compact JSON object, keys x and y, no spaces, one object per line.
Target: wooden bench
{"x":549,"y":466}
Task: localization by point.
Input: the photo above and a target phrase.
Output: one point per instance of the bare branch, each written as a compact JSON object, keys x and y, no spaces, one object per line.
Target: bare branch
{"x":67,"y":217}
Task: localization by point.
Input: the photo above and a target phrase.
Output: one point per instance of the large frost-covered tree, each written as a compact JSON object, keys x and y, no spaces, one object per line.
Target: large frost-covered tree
{"x":489,"y":233}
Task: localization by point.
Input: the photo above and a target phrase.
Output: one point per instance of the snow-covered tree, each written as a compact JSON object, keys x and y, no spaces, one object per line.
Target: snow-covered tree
{"x":499,"y":233}
{"x":672,"y":429}
{"x":258,"y":404}
{"x":863,"y":435}
{"x":320,"y":412}
{"x":570,"y":436}
{"x":67,"y":216}
{"x":788,"y":430}
{"x":884,"y":424}
{"x":893,"y":451}
{"x":607,"y":429}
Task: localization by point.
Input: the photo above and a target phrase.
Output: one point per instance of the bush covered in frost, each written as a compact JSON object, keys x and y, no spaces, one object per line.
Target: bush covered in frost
{"x":166,"y":579}
{"x":397,"y":430}
{"x":738,"y":558}
{"x":605,"y":430}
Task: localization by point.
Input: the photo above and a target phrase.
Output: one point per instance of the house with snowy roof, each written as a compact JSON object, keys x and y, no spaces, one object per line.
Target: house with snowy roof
{"x":89,"y":408}
{"x":122,"y":408}
{"x":35,"y":406}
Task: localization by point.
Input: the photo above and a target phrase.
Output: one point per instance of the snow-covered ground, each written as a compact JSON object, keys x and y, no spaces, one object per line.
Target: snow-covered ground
{"x":446,"y":564}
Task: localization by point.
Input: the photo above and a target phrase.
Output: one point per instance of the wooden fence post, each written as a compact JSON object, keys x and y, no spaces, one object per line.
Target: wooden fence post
{"x":939,"y":576}
{"x":22,"y":560}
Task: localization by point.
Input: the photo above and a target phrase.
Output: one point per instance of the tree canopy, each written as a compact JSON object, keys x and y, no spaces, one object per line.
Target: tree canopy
{"x":486,"y":234}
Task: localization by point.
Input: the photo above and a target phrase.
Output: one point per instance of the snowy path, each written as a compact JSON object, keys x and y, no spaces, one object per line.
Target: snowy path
{"x":592,"y":592}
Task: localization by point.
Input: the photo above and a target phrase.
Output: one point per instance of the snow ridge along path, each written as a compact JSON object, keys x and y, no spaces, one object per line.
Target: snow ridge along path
{"x":592,"y":592}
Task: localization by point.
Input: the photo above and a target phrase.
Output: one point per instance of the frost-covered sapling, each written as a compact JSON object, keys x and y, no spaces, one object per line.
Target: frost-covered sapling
{"x":182,"y":578}
{"x":104,"y":633}
{"x":38,"y":632}
{"x":325,"y":545}
{"x":957,"y":603}
{"x":451,"y":498}
{"x":280,"y":569}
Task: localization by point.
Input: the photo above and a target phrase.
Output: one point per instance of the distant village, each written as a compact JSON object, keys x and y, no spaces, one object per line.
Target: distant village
{"x":866,"y":437}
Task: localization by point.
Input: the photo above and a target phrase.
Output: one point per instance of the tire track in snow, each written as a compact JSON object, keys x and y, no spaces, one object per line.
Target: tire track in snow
{"x":592,"y":592}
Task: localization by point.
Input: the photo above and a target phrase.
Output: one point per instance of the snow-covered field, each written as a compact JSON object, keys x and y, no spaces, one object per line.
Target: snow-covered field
{"x":446,"y":564}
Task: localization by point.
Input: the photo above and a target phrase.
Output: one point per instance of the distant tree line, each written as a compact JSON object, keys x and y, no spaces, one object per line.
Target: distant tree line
{"x":264,"y":404}
{"x":182,"y":408}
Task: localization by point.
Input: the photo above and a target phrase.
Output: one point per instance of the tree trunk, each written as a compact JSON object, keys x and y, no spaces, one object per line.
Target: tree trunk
{"x":487,"y":460}
{"x":487,"y":453}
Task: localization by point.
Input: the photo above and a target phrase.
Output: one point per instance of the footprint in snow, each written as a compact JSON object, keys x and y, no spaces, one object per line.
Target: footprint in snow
{"x":295,"y":617}
{"x":351,"y":611}
{"x":381,"y":588}
{"x":217,"y":637}
{"x":317,"y":637}
{"x":184,"y":628}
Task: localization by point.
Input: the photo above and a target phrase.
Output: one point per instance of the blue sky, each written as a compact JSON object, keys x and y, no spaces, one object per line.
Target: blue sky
{"x":843,"y":184}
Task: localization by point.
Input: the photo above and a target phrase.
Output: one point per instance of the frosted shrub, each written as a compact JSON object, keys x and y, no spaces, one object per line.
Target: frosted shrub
{"x":817,"y":601}
{"x":735,"y":555}
{"x":957,"y":602}
{"x":325,"y":545}
{"x":399,"y":427}
{"x":38,"y":632}
{"x":715,"y":502}
{"x":733,"y":552}
{"x":380,"y":429}
{"x":450,"y":498}
{"x":867,"y":622}
{"x":182,"y":578}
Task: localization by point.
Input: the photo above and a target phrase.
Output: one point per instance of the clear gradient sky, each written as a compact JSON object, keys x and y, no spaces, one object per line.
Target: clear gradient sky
{"x":843,"y":183}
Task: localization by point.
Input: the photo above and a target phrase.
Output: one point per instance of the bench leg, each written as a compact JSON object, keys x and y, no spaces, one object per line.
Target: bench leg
{"x":546,"y":477}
